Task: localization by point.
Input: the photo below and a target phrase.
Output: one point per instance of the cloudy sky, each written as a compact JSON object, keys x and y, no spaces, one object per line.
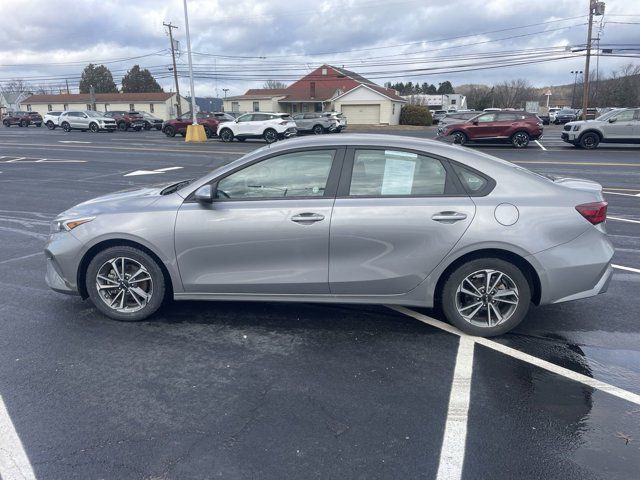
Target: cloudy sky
{"x":238,"y":44}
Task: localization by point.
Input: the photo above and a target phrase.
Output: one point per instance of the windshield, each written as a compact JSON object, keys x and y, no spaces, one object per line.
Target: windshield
{"x":91,"y":113}
{"x":609,"y":114}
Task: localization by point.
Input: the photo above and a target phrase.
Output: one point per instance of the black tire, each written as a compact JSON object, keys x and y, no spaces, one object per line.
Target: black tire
{"x":589,"y":140}
{"x":170,"y":131}
{"x":147,"y":126}
{"x":450,"y":300}
{"x":459,"y":138}
{"x":208,"y":132}
{"x":158,"y":127}
{"x":93,"y":126}
{"x":51,"y":125}
{"x":270,"y":135}
{"x":137,"y":129}
{"x":226,"y":135}
{"x":24,"y":123}
{"x":6,"y":123}
{"x":318,"y":130}
{"x":122,"y":126}
{"x":156,"y":285}
{"x":520,"y":139}
{"x":66,"y":126}
{"x":38,"y":125}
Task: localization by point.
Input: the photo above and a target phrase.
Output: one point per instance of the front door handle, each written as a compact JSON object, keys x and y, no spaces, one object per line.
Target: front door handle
{"x":307,"y":218}
{"x":448,"y":217}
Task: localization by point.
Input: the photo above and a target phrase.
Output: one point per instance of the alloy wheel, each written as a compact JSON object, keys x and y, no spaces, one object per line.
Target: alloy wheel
{"x":520,"y":140}
{"x":487,"y":298}
{"x":459,"y":138}
{"x":124,"y":284}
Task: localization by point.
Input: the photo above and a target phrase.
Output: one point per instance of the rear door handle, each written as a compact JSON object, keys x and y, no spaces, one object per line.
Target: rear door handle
{"x":307,"y":218}
{"x":448,"y":217}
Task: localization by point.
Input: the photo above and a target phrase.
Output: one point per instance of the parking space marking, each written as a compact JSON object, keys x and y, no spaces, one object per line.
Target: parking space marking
{"x":36,"y":146}
{"x":71,"y":141}
{"x":23,"y":257}
{"x":540,"y":145}
{"x":39,"y":160}
{"x":628,"y":269}
{"x":14,"y":463}
{"x":137,"y":173}
{"x":619,"y":219}
{"x":524,"y":357}
{"x":455,"y":431}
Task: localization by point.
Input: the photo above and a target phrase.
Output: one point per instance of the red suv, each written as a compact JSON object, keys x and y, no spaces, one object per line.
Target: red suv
{"x":210,"y":120}
{"x":22,"y":119}
{"x":126,"y":120}
{"x":518,"y":128}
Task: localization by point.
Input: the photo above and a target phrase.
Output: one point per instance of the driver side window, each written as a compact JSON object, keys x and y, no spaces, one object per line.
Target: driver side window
{"x":299,"y":174}
{"x":245,"y":118}
{"x":488,"y":117}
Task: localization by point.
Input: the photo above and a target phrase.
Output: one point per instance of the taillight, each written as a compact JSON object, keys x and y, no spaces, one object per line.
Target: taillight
{"x":595,"y":212}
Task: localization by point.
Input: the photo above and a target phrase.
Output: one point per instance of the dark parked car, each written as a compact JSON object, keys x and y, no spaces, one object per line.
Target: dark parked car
{"x":592,"y":114}
{"x":151,"y":121}
{"x":22,"y":119}
{"x":518,"y":128}
{"x":564,"y":116}
{"x":210,"y":121}
{"x":126,"y":120}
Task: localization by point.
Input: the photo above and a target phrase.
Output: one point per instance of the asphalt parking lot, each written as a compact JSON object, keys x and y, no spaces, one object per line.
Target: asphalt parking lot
{"x":273,"y":391}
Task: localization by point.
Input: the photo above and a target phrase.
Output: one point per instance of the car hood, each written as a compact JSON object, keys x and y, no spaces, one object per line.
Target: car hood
{"x":582,"y":122}
{"x":122,"y":201}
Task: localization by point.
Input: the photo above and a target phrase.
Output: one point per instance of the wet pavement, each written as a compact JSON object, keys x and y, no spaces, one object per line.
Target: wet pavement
{"x":259,"y":390}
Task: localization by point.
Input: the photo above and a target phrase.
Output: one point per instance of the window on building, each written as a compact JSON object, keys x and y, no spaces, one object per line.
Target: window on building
{"x":324,"y":71}
{"x":132,"y":107}
{"x":393,"y":109}
{"x":49,"y":108}
{"x":28,"y":108}
{"x":151,"y":110}
{"x":294,"y":107}
{"x":256,"y":106}
{"x":317,"y":107}
{"x":235,"y":106}
{"x":305,"y":107}
{"x":453,"y":101}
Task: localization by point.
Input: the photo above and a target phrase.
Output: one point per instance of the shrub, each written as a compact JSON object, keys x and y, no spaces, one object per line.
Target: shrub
{"x":415,"y":115}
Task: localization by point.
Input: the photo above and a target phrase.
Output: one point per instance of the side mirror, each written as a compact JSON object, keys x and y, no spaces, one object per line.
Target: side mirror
{"x":612,"y":120}
{"x":475,"y":122}
{"x":204,"y":194}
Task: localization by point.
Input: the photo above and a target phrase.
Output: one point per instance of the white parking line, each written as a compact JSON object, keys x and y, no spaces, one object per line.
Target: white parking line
{"x":525,"y":357}
{"x":455,"y":431}
{"x":14,"y":463}
{"x":628,"y":269}
{"x":619,"y":219}
{"x":540,"y":145}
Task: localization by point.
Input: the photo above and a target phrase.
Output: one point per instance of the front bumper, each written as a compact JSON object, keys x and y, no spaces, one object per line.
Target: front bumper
{"x":289,"y":132}
{"x":63,"y":252}
{"x":570,"y":137}
{"x":577,"y":269}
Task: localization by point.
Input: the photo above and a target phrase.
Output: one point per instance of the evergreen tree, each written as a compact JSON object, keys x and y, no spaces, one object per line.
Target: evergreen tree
{"x":445,"y":88}
{"x":139,"y":81}
{"x":100,"y":77}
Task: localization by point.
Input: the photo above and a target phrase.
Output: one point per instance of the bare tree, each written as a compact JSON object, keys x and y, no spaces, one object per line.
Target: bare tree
{"x":513,"y":93}
{"x":271,"y":84}
{"x":16,"y":86}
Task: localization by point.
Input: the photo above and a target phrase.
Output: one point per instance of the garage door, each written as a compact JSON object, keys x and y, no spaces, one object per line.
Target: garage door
{"x":362,"y":114}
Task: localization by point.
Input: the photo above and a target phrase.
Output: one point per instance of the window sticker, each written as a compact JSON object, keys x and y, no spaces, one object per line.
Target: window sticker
{"x":398,"y":176}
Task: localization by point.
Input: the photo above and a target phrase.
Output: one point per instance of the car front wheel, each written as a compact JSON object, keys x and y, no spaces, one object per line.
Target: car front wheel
{"x":226,"y":135}
{"x":520,"y":139}
{"x":169,"y":131}
{"x":24,"y":123}
{"x":270,"y":135}
{"x":486,"y":297}
{"x":122,"y":126}
{"x":6,"y":123}
{"x":51,"y":125}
{"x":589,"y":141}
{"x":94,"y":127}
{"x":318,"y":130}
{"x":125,"y":283}
{"x":459,"y":138}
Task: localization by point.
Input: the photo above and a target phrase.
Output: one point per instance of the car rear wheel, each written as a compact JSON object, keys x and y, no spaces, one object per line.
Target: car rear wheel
{"x":270,"y":135}
{"x":486,"y":297}
{"x":6,"y":123}
{"x":125,"y":283}
{"x":459,"y":138}
{"x":51,"y":125}
{"x":169,"y":131}
{"x":226,"y":135}
{"x":66,"y":126}
{"x":158,"y":127}
{"x":318,"y":130}
{"x":208,"y":132}
{"x":122,"y":126}
{"x":589,"y":141}
{"x":94,"y":127}
{"x":24,"y":123}
{"x":520,"y":139}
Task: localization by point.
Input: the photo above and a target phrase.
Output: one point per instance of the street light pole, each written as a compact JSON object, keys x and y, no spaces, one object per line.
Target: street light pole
{"x":195,"y":132}
{"x":575,"y":81}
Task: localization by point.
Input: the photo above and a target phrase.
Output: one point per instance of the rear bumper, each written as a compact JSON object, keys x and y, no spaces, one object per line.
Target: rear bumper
{"x":577,"y":269}
{"x":289,"y":132}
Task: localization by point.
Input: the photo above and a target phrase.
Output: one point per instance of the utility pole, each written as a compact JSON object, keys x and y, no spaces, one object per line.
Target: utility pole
{"x":67,"y":82}
{"x":175,"y":70}
{"x":225,"y":90}
{"x":595,"y":8}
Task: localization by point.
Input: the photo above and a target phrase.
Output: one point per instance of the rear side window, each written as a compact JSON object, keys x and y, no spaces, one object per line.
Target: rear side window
{"x":471,"y":181}
{"x":394,"y":173}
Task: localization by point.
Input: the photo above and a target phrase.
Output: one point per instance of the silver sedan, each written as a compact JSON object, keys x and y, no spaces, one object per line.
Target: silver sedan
{"x":349,"y":219}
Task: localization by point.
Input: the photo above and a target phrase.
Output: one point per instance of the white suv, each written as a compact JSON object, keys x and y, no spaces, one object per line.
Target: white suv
{"x":616,"y":126}
{"x":270,"y":126}
{"x":50,"y":119}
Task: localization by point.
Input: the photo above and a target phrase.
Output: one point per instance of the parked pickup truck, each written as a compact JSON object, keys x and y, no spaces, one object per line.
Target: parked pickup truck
{"x":317,"y":123}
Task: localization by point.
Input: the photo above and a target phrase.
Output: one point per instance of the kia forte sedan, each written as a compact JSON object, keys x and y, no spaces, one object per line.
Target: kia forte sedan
{"x":375,"y":219}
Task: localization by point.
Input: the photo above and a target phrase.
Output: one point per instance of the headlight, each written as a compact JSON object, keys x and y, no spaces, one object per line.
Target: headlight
{"x":68,"y":224}
{"x":576,"y":128}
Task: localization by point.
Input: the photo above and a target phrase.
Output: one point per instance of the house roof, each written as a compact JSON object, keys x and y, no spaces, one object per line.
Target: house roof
{"x":321,"y":85}
{"x":100,"y":97}
{"x":387,"y":92}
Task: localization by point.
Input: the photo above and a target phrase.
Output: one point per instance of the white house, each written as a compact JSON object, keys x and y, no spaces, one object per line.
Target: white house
{"x":162,"y":105}
{"x":327,"y":88}
{"x":444,"y":101}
